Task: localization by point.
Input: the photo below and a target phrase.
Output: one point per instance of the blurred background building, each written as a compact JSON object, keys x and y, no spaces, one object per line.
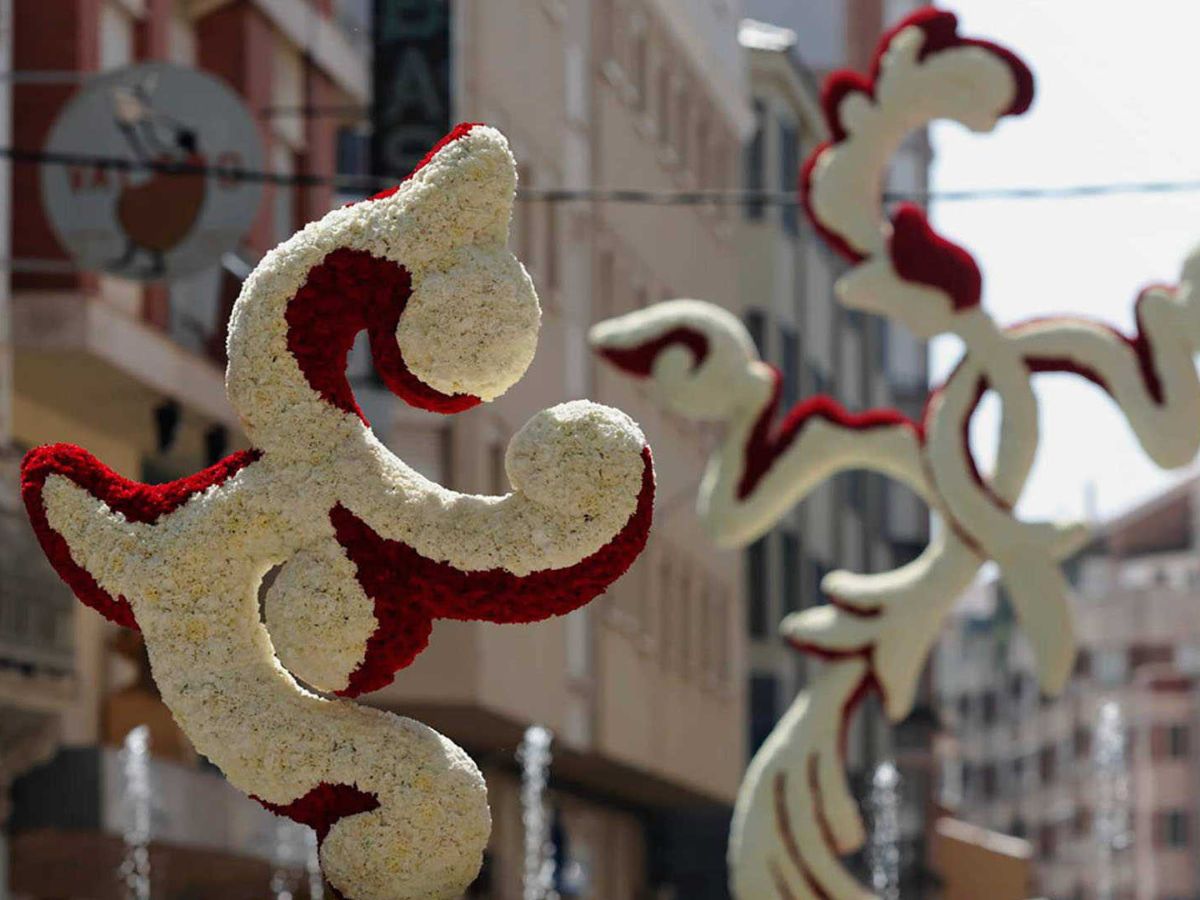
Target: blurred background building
{"x":657,"y":692}
{"x":859,"y":521}
{"x":1105,"y":782}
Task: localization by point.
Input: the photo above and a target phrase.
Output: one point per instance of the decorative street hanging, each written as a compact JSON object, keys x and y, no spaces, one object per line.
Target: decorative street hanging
{"x":795,"y":815}
{"x":169,"y":211}
{"x":371,"y":551}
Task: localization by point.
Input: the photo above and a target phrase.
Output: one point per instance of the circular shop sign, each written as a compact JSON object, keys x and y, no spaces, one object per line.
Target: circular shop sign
{"x":144,"y":223}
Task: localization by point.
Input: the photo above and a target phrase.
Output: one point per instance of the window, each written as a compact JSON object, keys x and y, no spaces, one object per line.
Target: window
{"x":855,"y":483}
{"x":756,"y":588}
{"x":1049,"y":842}
{"x":606,"y":285}
{"x":756,"y":324}
{"x":821,"y":383}
{"x":1083,"y":821}
{"x":703,"y":162}
{"x":721,"y":636}
{"x":641,"y":73}
{"x":524,"y":219}
{"x":1083,"y":742}
{"x":816,"y":574}
{"x":682,"y":638}
{"x":989,"y":781}
{"x":989,"y":708}
{"x":284,"y":201}
{"x":552,"y":246}
{"x":353,"y":151}
{"x":790,"y":565}
{"x":789,"y":168}
{"x":790,"y":342}
{"x":764,"y":701}
{"x":666,"y":610}
{"x":756,"y":163}
{"x":705,"y":642}
{"x":1177,"y":741}
{"x":664,"y":105}
{"x":1111,"y":666}
{"x":607,"y":18}
{"x":499,"y":474}
{"x":1169,"y":741}
{"x":1047,"y":767}
{"x":684,"y":124}
{"x":1172,"y":828}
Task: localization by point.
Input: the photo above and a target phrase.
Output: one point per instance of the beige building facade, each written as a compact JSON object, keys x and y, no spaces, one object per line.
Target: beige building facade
{"x":1110,"y":809}
{"x":644,"y":689}
{"x":859,"y":521}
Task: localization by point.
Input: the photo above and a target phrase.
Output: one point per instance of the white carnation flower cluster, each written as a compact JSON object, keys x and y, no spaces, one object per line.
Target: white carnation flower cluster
{"x":191,"y":572}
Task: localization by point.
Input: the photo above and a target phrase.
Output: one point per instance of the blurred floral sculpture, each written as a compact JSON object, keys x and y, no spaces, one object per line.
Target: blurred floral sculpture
{"x":795,"y":815}
{"x":371,"y":552}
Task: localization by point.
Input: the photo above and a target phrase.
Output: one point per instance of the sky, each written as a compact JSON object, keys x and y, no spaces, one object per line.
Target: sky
{"x":1115,"y":103}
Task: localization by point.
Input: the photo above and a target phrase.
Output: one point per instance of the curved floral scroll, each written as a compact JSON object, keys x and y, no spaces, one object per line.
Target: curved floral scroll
{"x":794,"y":816}
{"x":371,"y":552}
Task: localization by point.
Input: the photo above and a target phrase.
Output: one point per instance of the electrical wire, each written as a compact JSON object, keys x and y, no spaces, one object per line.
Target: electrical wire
{"x":369,"y":184}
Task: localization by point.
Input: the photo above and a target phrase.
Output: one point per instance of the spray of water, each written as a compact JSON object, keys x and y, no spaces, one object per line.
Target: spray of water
{"x":138,"y":796}
{"x":883,"y":848}
{"x":1111,"y":832}
{"x":288,"y":851}
{"x":312,"y":866}
{"x":534,"y":756}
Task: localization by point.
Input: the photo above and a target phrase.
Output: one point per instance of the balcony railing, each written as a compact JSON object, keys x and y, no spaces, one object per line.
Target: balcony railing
{"x":36,"y":608}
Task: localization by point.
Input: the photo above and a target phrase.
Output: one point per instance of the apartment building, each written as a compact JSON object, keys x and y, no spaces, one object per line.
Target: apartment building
{"x":134,"y":372}
{"x":859,"y":521}
{"x":1102,"y":781}
{"x":644,"y":689}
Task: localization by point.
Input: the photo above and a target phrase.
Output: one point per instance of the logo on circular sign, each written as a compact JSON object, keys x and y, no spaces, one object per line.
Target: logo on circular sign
{"x":151,"y":223}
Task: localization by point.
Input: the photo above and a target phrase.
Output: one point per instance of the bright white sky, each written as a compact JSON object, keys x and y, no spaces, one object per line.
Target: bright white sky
{"x":1115,"y":102}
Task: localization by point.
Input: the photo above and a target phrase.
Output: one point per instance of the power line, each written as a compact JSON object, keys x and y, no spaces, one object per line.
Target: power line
{"x":369,"y":184}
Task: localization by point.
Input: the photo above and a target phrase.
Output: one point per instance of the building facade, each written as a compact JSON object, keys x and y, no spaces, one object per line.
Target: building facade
{"x":642,"y":94}
{"x":859,"y":521}
{"x":644,"y":689}
{"x":1103,"y":781}
{"x":134,"y":372}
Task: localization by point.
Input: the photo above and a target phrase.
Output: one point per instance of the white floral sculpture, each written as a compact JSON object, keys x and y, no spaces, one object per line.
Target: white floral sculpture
{"x":371,"y":551}
{"x":795,"y":815}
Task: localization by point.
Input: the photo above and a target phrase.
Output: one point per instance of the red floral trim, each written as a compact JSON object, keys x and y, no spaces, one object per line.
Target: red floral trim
{"x":814,"y":789}
{"x":349,"y":291}
{"x":787,"y":837}
{"x":858,"y":612}
{"x":921,"y":255}
{"x":460,"y":130}
{"x":410,"y":590}
{"x":764,"y":446}
{"x":143,"y":503}
{"x":323,"y":806}
{"x":639,"y":361}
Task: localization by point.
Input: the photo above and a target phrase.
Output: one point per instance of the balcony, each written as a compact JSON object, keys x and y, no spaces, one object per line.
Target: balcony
{"x":207,"y":840}
{"x":37,"y":647}
{"x":91,"y":354}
